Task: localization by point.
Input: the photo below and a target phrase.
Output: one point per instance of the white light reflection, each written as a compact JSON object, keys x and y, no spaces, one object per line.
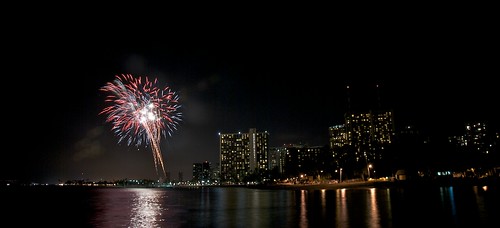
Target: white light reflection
{"x":146,"y":208}
{"x":323,"y":202}
{"x":303,"y":209}
{"x":255,"y":200}
{"x":389,"y":208}
{"x":342,"y":219}
{"x":373,"y":210}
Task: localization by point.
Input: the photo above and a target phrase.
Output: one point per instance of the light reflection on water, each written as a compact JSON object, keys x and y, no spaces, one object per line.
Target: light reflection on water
{"x":130,"y":207}
{"x":323,"y":202}
{"x":448,"y":202}
{"x":341,"y":210}
{"x":374,"y":218}
{"x":146,"y":208}
{"x":481,"y":204}
{"x":303,"y":209}
{"x":244,"y":207}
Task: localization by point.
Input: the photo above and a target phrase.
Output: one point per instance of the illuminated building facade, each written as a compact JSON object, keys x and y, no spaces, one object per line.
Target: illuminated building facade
{"x":277,"y":158}
{"x":337,"y":136}
{"x":476,"y":139}
{"x":202,"y":173}
{"x":242,"y":154}
{"x":302,"y":159}
{"x":367,"y":133}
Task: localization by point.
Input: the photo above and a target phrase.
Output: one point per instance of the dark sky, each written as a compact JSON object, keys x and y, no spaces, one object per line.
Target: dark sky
{"x":285,"y":76}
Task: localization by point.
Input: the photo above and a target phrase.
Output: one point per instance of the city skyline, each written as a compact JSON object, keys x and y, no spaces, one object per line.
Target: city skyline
{"x":294,"y":87}
{"x":145,"y":164}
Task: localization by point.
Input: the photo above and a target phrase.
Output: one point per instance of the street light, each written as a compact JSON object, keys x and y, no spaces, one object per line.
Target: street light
{"x":369,"y":166}
{"x":340,"y":175}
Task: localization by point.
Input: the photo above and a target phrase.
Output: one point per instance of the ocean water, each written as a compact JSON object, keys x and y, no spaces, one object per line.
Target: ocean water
{"x":57,"y":206}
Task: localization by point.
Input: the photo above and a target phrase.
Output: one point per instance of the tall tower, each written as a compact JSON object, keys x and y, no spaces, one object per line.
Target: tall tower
{"x":348,"y":100}
{"x":379,"y":103}
{"x":243,"y":153}
{"x":365,"y":134}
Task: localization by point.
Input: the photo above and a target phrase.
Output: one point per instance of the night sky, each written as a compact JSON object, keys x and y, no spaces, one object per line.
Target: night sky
{"x":287,"y":77}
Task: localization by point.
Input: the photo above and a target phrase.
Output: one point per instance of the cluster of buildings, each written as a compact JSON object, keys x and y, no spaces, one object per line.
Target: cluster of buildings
{"x":366,"y":145}
{"x":356,"y":145}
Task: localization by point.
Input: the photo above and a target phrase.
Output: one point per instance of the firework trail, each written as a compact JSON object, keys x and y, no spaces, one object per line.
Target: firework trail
{"x":141,"y":112}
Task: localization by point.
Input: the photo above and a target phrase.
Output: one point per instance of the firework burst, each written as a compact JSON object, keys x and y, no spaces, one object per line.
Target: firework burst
{"x":141,"y":112}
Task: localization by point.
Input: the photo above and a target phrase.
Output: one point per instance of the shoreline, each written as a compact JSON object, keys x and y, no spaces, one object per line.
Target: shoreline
{"x":346,"y":185}
{"x":493,"y":183}
{"x":490,"y":182}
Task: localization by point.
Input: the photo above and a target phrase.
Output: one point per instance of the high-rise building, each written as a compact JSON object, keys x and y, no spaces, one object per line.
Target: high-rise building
{"x":338,"y":142}
{"x":242,"y":154}
{"x":277,"y":158}
{"x":383,"y":127}
{"x":476,"y":138}
{"x":368,"y":133}
{"x":202,"y":173}
{"x":363,"y":136}
{"x":477,"y":146}
{"x":303,"y":159}
{"x":197,"y":172}
{"x":338,"y":136}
